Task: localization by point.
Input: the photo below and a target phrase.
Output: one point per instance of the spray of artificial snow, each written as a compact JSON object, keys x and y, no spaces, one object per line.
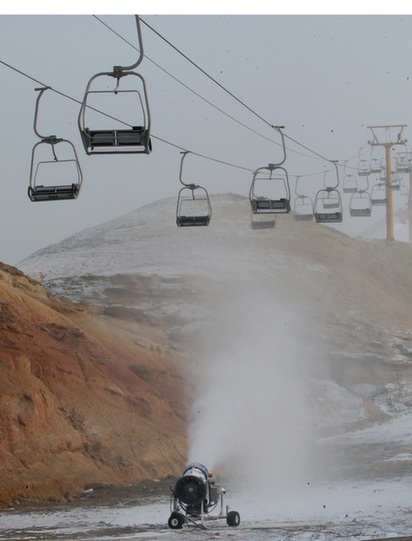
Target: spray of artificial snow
{"x":251,"y":419}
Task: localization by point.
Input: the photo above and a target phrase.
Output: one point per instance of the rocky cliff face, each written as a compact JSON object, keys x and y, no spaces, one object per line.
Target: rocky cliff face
{"x":83,"y":400}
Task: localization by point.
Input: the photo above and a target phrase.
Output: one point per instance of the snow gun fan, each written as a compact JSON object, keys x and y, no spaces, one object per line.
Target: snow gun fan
{"x":195,"y":496}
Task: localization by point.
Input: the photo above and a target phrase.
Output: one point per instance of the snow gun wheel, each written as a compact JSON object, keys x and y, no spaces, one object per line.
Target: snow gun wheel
{"x":175,"y":521}
{"x":233,"y":518}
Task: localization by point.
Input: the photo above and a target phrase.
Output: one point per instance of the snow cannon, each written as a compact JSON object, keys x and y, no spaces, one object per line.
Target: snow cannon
{"x":191,"y":488}
{"x":194,"y":498}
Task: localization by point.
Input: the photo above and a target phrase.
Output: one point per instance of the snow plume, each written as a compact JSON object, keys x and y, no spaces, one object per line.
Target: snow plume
{"x":251,"y":421}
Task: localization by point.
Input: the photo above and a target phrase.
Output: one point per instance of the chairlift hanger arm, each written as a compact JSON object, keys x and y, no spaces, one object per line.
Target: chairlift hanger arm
{"x":344,"y":167}
{"x":46,"y":138}
{"x":335,"y":163}
{"x":366,"y":188}
{"x":192,"y":186}
{"x":118,"y":70}
{"x":279,"y":129}
{"x":296,"y":186}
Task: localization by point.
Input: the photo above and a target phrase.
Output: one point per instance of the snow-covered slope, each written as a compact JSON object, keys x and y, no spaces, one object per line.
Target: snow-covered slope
{"x":147,"y":241}
{"x":263,"y":312}
{"x":144,"y":260}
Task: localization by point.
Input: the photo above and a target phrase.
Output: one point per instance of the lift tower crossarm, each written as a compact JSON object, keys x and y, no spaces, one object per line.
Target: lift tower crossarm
{"x":399,"y":136}
{"x":388,"y":145}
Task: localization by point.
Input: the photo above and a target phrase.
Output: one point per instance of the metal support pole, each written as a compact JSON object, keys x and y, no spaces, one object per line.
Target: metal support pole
{"x":389,"y":195}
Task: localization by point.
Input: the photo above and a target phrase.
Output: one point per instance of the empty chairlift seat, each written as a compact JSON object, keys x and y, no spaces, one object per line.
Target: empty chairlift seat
{"x":378,"y":194}
{"x":193,"y":207}
{"x":403,"y":164}
{"x":303,"y":208}
{"x":116,"y":120}
{"x":327,"y":207}
{"x":349,"y":184}
{"x":360,"y":204}
{"x":266,"y":205}
{"x":55,"y":172}
{"x":375,"y":165}
{"x":54,"y":179}
{"x":269,"y":191}
{"x":136,"y":136}
{"x":193,"y":204}
{"x":105,"y":110}
{"x":53,"y":193}
{"x":364,"y":168}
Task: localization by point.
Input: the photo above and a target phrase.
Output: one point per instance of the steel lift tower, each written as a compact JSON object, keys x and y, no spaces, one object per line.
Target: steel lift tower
{"x":387,"y":140}
{"x":406,"y":167}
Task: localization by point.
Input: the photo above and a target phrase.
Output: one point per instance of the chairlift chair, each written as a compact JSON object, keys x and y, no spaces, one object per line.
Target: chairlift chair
{"x":55,"y":173}
{"x":375,"y":165}
{"x":360,"y":204}
{"x":349,"y":184}
{"x":375,"y":162}
{"x":327,"y":206}
{"x":117,"y":136}
{"x":193,"y":207}
{"x":303,"y":208}
{"x":193,"y":203}
{"x":269,"y":191}
{"x":42,"y":171}
{"x":378,"y":195}
{"x":303,"y":205}
{"x":402,"y":164}
{"x":364,"y":168}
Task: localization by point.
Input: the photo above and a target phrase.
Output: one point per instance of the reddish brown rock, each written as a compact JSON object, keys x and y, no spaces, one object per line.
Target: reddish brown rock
{"x":81,"y":402}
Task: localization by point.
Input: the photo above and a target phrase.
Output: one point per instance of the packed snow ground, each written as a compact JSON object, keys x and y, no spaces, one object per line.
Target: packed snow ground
{"x":354,"y":511}
{"x":349,"y":506}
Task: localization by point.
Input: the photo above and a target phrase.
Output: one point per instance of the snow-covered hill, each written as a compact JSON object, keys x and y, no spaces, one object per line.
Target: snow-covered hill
{"x":148,"y":242}
{"x":302,"y":335}
{"x":143,"y":260}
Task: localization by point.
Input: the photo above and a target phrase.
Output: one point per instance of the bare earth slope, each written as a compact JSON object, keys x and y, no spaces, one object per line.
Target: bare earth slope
{"x":81,"y":402}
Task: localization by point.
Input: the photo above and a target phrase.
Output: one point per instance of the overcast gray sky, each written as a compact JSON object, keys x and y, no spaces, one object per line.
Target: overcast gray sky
{"x":324,"y":77}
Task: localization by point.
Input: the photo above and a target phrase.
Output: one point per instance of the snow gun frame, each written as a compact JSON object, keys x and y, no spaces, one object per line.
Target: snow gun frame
{"x":195,"y":496}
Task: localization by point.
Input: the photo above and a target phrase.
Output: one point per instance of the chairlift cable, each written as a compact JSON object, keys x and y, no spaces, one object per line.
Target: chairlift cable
{"x":37,"y":81}
{"x":216,"y":82}
{"x":184,"y":85}
{"x":105,"y":114}
{"x":67,"y":96}
{"x":206,"y":74}
{"x":230,"y":93}
{"x":153,"y":136}
{"x":58,"y":91}
{"x":196,"y":93}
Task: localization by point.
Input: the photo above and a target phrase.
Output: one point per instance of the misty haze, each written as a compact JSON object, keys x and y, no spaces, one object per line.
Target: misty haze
{"x":257,"y":321}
